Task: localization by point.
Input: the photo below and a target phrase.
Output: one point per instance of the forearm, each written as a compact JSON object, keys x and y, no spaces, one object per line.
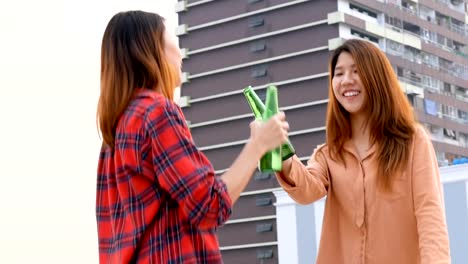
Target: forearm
{"x":285,"y":172}
{"x":430,"y":217}
{"x":240,"y":172}
{"x":433,"y":237}
{"x":428,"y":202}
{"x":264,"y":136}
{"x":305,"y":184}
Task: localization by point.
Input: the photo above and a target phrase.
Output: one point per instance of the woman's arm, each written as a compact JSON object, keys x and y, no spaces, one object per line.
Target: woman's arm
{"x":429,"y":202}
{"x":305,"y":184}
{"x":263,"y":138}
{"x":187,"y":175}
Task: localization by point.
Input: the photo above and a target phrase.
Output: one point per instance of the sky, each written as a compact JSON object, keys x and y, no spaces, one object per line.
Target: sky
{"x":49,"y":143}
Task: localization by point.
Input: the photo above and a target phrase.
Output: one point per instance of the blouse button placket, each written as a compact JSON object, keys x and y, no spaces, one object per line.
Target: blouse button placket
{"x":362,"y":215}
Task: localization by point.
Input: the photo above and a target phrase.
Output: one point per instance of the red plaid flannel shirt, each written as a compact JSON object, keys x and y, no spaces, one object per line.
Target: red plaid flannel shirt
{"x":157,"y":199}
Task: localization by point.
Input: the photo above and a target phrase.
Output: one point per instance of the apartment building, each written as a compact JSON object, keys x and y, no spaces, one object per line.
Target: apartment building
{"x":230,"y":44}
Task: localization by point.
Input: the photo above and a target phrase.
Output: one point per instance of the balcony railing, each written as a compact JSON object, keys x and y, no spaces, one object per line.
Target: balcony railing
{"x":460,"y":29}
{"x":451,"y":68}
{"x":418,"y":83}
{"x":449,"y":4}
{"x":426,"y":39}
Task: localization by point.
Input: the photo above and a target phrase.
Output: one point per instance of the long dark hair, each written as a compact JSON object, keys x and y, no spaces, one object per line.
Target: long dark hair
{"x":391,"y":119}
{"x":132,"y":57}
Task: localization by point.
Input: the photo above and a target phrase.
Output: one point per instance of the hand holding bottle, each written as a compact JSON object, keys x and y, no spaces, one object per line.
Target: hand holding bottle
{"x":268,"y":135}
{"x":258,"y":109}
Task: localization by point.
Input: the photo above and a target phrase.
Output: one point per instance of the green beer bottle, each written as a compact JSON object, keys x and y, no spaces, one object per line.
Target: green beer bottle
{"x":271,"y":161}
{"x":258,"y":108}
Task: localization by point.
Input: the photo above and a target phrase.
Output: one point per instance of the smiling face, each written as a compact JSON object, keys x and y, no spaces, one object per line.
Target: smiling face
{"x":347,"y":85}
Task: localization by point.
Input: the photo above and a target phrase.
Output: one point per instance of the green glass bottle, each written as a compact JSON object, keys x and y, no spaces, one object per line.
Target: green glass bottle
{"x":258,"y":108}
{"x":271,"y":161}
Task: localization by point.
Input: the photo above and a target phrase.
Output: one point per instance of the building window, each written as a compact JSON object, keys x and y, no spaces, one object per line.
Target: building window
{"x":410,"y":76}
{"x":362,"y":10}
{"x":449,"y":133}
{"x":429,"y":36}
{"x":413,"y":55}
{"x":394,"y":48}
{"x":261,"y":94}
{"x":262,"y":228}
{"x":426,"y":13}
{"x":449,"y":112}
{"x":442,"y":20}
{"x":264,"y":253}
{"x":412,"y":28}
{"x":261,"y":176}
{"x":258,"y":46}
{"x":396,"y":23}
{"x":364,"y":36}
{"x":447,"y":88}
{"x":264,"y":201}
{"x":463,"y":116}
{"x":256,"y":21}
{"x":430,"y":60}
{"x":410,"y":98}
{"x":461,"y":93}
{"x":259,"y":72}
{"x":434,"y":129}
{"x":431,"y":83}
{"x":410,"y":7}
{"x":457,"y":26}
{"x":463,"y":139}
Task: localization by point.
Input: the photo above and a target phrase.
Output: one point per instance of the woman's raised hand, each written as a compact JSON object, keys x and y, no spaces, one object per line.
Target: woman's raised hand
{"x":270,"y":134}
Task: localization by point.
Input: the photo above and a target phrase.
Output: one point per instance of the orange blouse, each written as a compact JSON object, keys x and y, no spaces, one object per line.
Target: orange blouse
{"x":365,"y":225}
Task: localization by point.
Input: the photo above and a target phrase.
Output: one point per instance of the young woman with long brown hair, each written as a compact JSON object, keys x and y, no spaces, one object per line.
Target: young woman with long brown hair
{"x":158,"y":200}
{"x":377,"y":168}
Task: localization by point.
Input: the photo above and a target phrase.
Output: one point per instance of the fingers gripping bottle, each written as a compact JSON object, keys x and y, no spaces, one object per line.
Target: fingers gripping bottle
{"x":271,"y":161}
{"x":258,"y":108}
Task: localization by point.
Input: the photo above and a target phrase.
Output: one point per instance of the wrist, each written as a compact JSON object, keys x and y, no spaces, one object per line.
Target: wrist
{"x":256,"y":148}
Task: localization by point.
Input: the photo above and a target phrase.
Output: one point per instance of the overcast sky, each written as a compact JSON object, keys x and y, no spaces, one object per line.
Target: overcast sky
{"x":49,"y":85}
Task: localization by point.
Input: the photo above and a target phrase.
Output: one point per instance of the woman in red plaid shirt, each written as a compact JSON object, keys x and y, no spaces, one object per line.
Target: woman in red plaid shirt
{"x":158,"y":199}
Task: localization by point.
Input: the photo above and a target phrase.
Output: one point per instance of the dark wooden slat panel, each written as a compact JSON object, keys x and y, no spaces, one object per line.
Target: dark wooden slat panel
{"x":304,"y":144}
{"x":290,"y":94}
{"x":299,"y":119}
{"x":247,"y":233}
{"x":249,"y":255}
{"x":285,"y":69}
{"x":262,"y":181}
{"x":246,"y":206}
{"x":303,"y":39}
{"x":217,"y":10}
{"x":274,"y":20}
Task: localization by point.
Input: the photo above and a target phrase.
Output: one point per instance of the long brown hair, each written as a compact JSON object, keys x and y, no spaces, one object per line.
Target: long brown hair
{"x":132,"y":57}
{"x":391,"y":121}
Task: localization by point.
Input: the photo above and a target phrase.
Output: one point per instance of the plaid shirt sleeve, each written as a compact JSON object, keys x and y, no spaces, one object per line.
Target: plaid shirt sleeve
{"x":183,"y":171}
{"x":157,"y":199}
